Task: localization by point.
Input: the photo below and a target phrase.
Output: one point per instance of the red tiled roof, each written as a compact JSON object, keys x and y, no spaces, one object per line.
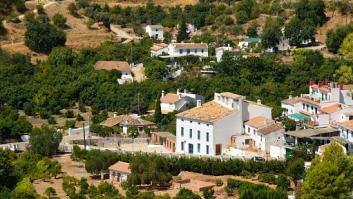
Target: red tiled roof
{"x":271,"y":128}
{"x":170,"y":98}
{"x":160,"y":46}
{"x":347,"y":124}
{"x":112,"y":65}
{"x":310,"y":101}
{"x":259,"y":122}
{"x":190,"y":45}
{"x":126,"y":120}
{"x":330,"y":108}
{"x":121,"y":167}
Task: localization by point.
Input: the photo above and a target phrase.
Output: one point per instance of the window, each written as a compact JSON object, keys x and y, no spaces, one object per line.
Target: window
{"x":202,"y":50}
{"x":198,"y":135}
{"x":190,"y":133}
{"x":181,"y":51}
{"x":182,"y":131}
{"x":182,"y":146}
{"x":248,"y":129}
{"x":207,"y":149}
{"x":207,"y":125}
{"x":303,"y":106}
{"x":207,"y":137}
{"x":188,"y":51}
{"x":198,"y":148}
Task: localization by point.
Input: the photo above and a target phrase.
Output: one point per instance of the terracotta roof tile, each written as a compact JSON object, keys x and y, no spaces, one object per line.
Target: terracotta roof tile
{"x":170,"y":98}
{"x":271,"y":128}
{"x":310,"y":101}
{"x":121,"y":167}
{"x":259,"y":122}
{"x":209,"y":112}
{"x":127,"y":120}
{"x":190,"y":45}
{"x":160,"y":46}
{"x":112,"y":65}
{"x":330,"y":108}
{"x":347,"y":124}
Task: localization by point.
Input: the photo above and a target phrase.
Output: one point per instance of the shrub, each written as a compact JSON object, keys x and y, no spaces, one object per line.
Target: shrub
{"x":89,"y":23}
{"x":51,"y":120}
{"x":70,"y":123}
{"x":59,"y":20}
{"x":247,"y":174}
{"x":232,"y":183}
{"x":28,"y":108}
{"x":267,"y":177}
{"x":72,"y":9}
{"x":44,"y":114}
{"x":218,"y":182}
{"x":282,"y":181}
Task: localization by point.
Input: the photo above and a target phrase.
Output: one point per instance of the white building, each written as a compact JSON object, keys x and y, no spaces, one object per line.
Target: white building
{"x":248,"y":43}
{"x":220,"y":51}
{"x":122,"y":66}
{"x":159,"y":49}
{"x":187,"y":49}
{"x":262,"y":133}
{"x":155,"y":31}
{"x":180,"y":101}
{"x":119,"y":172}
{"x":325,"y":105}
{"x":207,"y":129}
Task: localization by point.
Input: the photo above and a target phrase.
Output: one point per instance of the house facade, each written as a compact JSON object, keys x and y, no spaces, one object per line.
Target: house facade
{"x":207,"y":129}
{"x":159,"y":49}
{"x":180,"y":101}
{"x":220,"y":51}
{"x":119,"y":172}
{"x":188,"y":49}
{"x":155,"y":31}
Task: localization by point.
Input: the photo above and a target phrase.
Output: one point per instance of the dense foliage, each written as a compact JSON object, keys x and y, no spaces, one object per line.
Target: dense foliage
{"x":45,"y":140}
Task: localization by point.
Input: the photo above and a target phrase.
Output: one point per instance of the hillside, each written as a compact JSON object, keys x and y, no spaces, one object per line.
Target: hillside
{"x":133,"y":3}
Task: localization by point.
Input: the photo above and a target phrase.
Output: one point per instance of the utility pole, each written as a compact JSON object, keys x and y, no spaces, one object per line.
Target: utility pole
{"x":84,"y":135}
{"x":138,"y":103}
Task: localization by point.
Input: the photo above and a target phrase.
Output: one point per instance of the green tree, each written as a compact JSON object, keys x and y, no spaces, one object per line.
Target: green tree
{"x":28,"y":108}
{"x":271,"y":34}
{"x":50,"y":192}
{"x":61,"y":56}
{"x":295,"y":169}
{"x":289,"y":124}
{"x":59,"y":20}
{"x":186,"y":194}
{"x":24,"y":190}
{"x":345,"y":74}
{"x":346,"y":48}
{"x":156,"y":70}
{"x":182,"y":32}
{"x":329,"y":176}
{"x":72,"y":9}
{"x":7,"y":169}
{"x":45,"y":140}
{"x":43,"y":37}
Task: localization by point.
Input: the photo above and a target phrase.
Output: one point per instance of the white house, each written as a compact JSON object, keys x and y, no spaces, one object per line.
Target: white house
{"x":180,"y":101}
{"x":207,"y":129}
{"x":159,"y":49}
{"x":262,"y":133}
{"x":122,"y":66}
{"x":220,"y":51}
{"x":155,"y":31}
{"x":119,"y":172}
{"x":249,"y":42}
{"x":187,"y":49}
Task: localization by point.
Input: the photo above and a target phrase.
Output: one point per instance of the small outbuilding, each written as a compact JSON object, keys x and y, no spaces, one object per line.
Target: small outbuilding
{"x":119,"y":171}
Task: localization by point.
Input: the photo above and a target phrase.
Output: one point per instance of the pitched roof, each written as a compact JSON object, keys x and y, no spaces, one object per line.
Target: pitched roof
{"x":271,"y":128}
{"x":209,"y":112}
{"x":170,"y":98}
{"x":259,"y":122}
{"x":310,"y":101}
{"x":293,"y":101}
{"x":347,"y":124}
{"x":120,"y":166}
{"x":112,"y":65}
{"x":157,"y":47}
{"x":231,"y":95}
{"x":190,"y":45}
{"x":126,"y":120}
{"x":330,"y":108}
{"x":155,"y":26}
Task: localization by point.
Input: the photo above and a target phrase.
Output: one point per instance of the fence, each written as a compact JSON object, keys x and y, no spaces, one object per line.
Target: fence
{"x":78,"y":131}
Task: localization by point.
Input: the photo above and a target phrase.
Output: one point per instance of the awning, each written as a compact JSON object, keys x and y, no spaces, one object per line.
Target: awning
{"x":299,"y":117}
{"x":307,"y":133}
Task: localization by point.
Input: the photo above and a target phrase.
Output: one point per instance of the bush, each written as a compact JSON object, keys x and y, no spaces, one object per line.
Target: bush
{"x":70,"y":123}
{"x":51,"y":120}
{"x":218,"y":182}
{"x":43,"y":37}
{"x":72,"y":9}
{"x":247,"y":174}
{"x":267,"y":177}
{"x":59,"y":20}
{"x":282,"y":181}
{"x":232,"y":183}
{"x":44,"y":114}
{"x":28,"y":108}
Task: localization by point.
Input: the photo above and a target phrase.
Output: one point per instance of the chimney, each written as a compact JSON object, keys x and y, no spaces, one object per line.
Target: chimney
{"x":180,"y":95}
{"x":163,"y":93}
{"x":258,"y":101}
{"x":115,"y":114}
{"x":198,"y":103}
{"x":178,"y":91}
{"x":290,"y":97}
{"x":185,"y":91}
